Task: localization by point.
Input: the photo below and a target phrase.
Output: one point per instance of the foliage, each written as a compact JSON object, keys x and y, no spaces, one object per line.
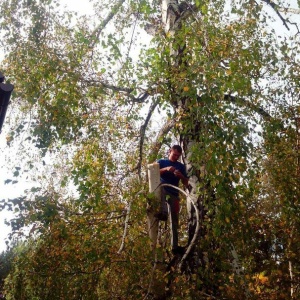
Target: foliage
{"x":94,"y":99}
{"x":6,"y":259}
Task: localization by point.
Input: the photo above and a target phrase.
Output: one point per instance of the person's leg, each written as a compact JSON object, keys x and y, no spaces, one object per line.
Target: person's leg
{"x":174,"y":210}
{"x":163,"y":214}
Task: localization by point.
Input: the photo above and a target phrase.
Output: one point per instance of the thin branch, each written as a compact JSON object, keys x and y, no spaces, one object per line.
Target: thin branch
{"x":248,"y":104}
{"x":209,"y":296}
{"x":96,"y":33}
{"x":275,"y":7}
{"x":133,"y":31}
{"x":127,"y":223}
{"x":160,"y":138}
{"x":125,"y":227}
{"x":115,"y":88}
{"x":143,"y":129}
{"x":143,"y":132}
{"x":101,"y":84}
{"x":289,"y":10}
{"x":127,"y":91}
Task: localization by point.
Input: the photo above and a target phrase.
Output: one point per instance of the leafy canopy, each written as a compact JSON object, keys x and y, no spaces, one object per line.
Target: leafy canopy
{"x":97,"y":98}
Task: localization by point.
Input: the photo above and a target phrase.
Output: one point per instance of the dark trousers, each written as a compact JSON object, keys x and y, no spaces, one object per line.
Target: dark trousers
{"x":170,"y":202}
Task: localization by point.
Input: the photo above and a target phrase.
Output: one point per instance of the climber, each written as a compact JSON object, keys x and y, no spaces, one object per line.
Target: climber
{"x":171,"y":172}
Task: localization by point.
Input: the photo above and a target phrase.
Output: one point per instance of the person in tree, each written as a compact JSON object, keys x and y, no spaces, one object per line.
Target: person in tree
{"x":172,"y":172}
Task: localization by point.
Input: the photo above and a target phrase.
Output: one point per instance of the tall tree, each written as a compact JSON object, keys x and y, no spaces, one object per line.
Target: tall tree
{"x":224,"y":84}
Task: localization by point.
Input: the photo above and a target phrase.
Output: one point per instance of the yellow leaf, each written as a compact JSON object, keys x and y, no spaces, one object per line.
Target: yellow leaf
{"x":262,"y":278}
{"x":186,"y":88}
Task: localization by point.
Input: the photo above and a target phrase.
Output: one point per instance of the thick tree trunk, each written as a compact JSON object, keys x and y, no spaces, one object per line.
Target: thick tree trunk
{"x":200,"y":191}
{"x":173,"y":13}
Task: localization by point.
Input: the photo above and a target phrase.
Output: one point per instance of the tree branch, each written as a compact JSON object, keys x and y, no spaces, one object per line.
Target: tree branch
{"x":127,"y":223}
{"x":250,"y":105}
{"x":96,"y":33}
{"x":143,"y":132}
{"x":101,"y":84}
{"x":160,"y":138}
{"x":275,"y":7}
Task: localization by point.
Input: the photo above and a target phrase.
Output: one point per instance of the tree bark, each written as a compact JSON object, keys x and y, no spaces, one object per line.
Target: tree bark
{"x":173,"y":13}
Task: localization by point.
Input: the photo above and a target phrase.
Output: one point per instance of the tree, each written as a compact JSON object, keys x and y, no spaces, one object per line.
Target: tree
{"x":6,"y":258}
{"x":226,"y":85}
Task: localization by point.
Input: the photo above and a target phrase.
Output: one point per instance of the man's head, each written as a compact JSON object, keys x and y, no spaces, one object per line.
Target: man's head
{"x":175,"y":153}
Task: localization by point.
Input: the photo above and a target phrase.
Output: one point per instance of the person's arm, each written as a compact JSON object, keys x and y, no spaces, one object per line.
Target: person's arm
{"x":167,"y":169}
{"x":184,"y":180}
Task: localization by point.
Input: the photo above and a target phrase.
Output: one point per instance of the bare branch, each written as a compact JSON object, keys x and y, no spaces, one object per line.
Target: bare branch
{"x":125,"y":227}
{"x":101,"y":84}
{"x":143,"y":129}
{"x":289,"y":10}
{"x":140,"y":99}
{"x":96,"y":33}
{"x":160,"y":138}
{"x":248,"y":104}
{"x":116,"y":88}
{"x":143,"y":132}
{"x":127,"y":223}
{"x":276,"y":9}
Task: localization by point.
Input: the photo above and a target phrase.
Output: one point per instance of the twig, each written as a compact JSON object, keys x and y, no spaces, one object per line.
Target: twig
{"x":127,"y":91}
{"x":275,"y":7}
{"x":248,"y":104}
{"x":143,"y":132}
{"x":159,"y":139}
{"x":96,"y":33}
{"x":127,"y":222}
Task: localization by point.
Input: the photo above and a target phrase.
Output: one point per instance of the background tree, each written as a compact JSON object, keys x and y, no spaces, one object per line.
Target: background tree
{"x":225,"y":85}
{"x":6,"y":259}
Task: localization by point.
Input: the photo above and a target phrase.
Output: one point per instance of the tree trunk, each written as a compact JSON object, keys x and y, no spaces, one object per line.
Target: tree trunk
{"x":173,"y":13}
{"x":200,"y":191}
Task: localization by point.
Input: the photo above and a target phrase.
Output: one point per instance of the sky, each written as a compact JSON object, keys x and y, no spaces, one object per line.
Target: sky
{"x":12,"y":191}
